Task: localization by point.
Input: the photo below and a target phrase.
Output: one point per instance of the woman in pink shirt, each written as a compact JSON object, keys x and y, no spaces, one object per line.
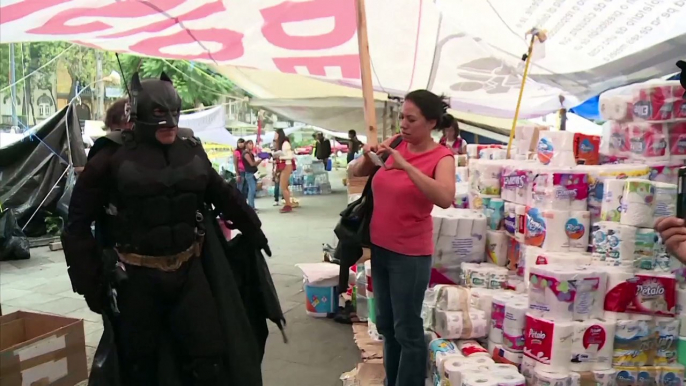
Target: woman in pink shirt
{"x":418,"y":174}
{"x":452,"y":140}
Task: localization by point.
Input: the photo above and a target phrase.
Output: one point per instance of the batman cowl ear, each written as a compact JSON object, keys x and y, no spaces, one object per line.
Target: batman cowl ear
{"x":165,"y":77}
{"x":136,"y":82}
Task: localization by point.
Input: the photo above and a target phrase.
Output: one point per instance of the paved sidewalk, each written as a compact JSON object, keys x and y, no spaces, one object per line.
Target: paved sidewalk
{"x":318,"y":351}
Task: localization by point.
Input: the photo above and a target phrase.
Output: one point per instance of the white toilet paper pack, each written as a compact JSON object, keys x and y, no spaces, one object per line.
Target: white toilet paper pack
{"x":452,"y":298}
{"x":592,"y":345}
{"x":461,"y":237}
{"x":498,"y":315}
{"x":665,"y":199}
{"x":513,"y":325}
{"x":611,"y":206}
{"x":556,"y":148}
{"x":638,"y":203}
{"x":496,"y":247}
{"x":634,"y":343}
{"x":565,"y":293}
{"x":549,"y":343}
{"x":624,"y":246}
{"x":455,"y":368}
{"x":460,"y":324}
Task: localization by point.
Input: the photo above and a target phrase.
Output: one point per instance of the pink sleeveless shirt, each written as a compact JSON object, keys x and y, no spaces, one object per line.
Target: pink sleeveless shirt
{"x":401,"y":221}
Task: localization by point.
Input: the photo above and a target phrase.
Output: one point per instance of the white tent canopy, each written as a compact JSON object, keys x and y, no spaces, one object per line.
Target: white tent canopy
{"x":468,"y":50}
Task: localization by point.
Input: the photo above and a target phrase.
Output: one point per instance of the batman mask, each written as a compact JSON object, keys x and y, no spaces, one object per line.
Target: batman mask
{"x":155,"y":104}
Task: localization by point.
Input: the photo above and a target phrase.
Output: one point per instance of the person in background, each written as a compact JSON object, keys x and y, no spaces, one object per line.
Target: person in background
{"x":250,"y":164}
{"x":116,"y":118}
{"x":322,"y":149}
{"x":418,"y":174}
{"x":452,"y":140}
{"x":240,"y":167}
{"x":276,"y":174}
{"x":284,"y":165}
{"x":354,"y":145}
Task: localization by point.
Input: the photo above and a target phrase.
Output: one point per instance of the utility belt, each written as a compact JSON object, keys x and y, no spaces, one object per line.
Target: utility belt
{"x":168,"y":263}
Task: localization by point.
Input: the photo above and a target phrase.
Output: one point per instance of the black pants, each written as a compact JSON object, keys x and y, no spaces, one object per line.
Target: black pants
{"x":347,"y":255}
{"x":180,"y":305}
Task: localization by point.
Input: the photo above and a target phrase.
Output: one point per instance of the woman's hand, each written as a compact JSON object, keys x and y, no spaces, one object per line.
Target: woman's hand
{"x":399,"y":162}
{"x":673,"y":233}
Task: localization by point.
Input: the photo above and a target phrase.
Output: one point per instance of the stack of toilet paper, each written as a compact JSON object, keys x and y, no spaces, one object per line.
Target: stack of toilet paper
{"x":561,"y":189}
{"x":459,"y":236}
{"x":556,"y":230}
{"x":484,"y":275}
{"x":484,"y":181}
{"x":556,"y":148}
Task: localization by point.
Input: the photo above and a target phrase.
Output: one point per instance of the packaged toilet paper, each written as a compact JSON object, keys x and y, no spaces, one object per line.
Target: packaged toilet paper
{"x":549,"y":343}
{"x":611,"y":207}
{"x":439,"y":350}
{"x":638,"y":203}
{"x":546,"y":229}
{"x":460,"y":236}
{"x":667,"y":338}
{"x":616,"y":245}
{"x":655,"y":294}
{"x":542,"y":377}
{"x":665,"y":200}
{"x":498,"y":302}
{"x":514,"y":322}
{"x":472,"y":349}
{"x":672,"y":374}
{"x":564,"y":293}
{"x":504,"y":356}
{"x":592,"y":345}
{"x":451,"y":298}
{"x":455,"y":368}
{"x":496,"y":247}
{"x":635,"y":343}
{"x":460,"y":324}
{"x":626,"y":376}
{"x":556,"y":148}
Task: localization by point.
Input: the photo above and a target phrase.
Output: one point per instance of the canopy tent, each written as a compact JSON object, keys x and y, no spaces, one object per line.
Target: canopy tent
{"x":468,"y":50}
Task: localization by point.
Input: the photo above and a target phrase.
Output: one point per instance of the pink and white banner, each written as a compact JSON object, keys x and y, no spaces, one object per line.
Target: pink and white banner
{"x":468,"y":50}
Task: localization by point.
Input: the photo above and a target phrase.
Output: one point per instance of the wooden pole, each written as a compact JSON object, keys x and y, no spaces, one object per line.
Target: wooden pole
{"x":521,"y":93}
{"x":366,"y":73}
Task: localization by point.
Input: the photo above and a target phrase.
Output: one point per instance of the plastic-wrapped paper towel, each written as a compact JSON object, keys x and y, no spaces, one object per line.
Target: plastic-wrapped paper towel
{"x":638,"y":203}
{"x":460,"y":236}
{"x":556,"y":148}
{"x":549,"y":343}
{"x":565,"y":293}
{"x":460,"y":324}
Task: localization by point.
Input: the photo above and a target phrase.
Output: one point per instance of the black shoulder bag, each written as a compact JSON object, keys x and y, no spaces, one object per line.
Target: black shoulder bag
{"x":353,"y":227}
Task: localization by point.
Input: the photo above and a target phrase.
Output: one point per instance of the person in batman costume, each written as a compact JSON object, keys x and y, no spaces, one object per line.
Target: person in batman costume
{"x":155,"y":185}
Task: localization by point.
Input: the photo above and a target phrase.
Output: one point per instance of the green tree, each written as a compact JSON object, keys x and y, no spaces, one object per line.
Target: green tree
{"x":196,"y":83}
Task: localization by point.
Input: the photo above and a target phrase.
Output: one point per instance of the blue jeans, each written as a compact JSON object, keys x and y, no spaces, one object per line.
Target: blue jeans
{"x":251,"y":183}
{"x":399,"y":285}
{"x":242,"y":185}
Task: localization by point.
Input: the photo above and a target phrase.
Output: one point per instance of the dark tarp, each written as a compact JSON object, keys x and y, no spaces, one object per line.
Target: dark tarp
{"x":29,"y":168}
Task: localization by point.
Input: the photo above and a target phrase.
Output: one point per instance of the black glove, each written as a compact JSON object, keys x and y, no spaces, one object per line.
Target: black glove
{"x":260,"y":241}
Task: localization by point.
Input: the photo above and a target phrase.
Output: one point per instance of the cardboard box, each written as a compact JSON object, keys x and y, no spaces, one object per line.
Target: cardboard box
{"x":39,"y":350}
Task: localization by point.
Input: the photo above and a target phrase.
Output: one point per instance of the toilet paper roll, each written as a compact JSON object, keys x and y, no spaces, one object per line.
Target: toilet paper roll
{"x":672,"y":374}
{"x":527,"y":368}
{"x":452,"y":298}
{"x":496,"y":247}
{"x":637,"y":205}
{"x":461,"y":174}
{"x":498,"y":303}
{"x":439,"y":349}
{"x":501,"y":355}
{"x":542,"y":377}
{"x":520,"y":230}
{"x":578,"y":228}
{"x":565,"y":293}
{"x":509,"y":379}
{"x":592,"y":345}
{"x":626,"y":376}
{"x":455,"y":368}
{"x":611,"y":206}
{"x":556,"y":239}
{"x":503,"y":368}
{"x":497,"y":276}
{"x":667,"y":340}
{"x":665,"y":199}
{"x":648,"y":375}
{"x":681,"y":304}
{"x":461,"y":325}
{"x":549,"y":343}
{"x":513,"y":325}
{"x":604,"y":377}
{"x":634,"y":343}
{"x":472,"y":349}
{"x":614,"y":244}
{"x":479,"y":380}
{"x":496,"y":213}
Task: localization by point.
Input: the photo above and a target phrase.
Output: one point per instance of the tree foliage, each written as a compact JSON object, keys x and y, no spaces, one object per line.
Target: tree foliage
{"x":196,"y":83}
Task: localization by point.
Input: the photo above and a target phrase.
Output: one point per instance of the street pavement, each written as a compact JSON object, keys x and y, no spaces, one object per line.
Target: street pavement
{"x":318,"y":350}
